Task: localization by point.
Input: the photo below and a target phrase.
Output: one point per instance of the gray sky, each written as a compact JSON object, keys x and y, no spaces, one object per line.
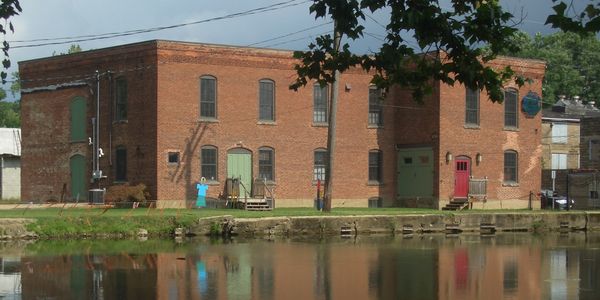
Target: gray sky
{"x":42,"y":19}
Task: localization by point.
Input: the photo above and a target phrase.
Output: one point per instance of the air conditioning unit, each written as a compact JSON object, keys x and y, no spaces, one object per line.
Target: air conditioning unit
{"x":96,"y":196}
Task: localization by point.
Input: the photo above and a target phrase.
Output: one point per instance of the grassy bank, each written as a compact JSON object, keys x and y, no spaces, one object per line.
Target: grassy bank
{"x":95,"y":221}
{"x":98,"y":222}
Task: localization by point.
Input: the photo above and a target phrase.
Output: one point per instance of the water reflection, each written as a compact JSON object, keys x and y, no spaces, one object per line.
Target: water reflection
{"x":517,"y":266}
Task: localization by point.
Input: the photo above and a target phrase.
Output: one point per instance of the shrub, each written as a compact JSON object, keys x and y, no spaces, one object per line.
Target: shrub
{"x":125,"y":193}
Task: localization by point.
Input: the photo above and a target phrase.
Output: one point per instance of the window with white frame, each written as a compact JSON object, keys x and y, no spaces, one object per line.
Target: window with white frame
{"x":320,"y":162}
{"x":511,"y":108}
{"x":266,"y":99}
{"x":559,"y":133}
{"x":320,"y":103}
{"x":559,"y":161}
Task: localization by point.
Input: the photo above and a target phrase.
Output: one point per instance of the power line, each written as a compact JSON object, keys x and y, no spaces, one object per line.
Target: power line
{"x":83,"y":38}
{"x":288,"y":34}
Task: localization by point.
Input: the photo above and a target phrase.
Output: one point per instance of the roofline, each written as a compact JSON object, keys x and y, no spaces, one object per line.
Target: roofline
{"x":156,"y":43}
{"x":561,"y":119}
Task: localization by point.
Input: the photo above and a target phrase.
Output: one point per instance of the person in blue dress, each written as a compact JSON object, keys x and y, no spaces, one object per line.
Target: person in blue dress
{"x":202,"y":188}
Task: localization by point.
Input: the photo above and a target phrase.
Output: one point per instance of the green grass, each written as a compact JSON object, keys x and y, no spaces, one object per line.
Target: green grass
{"x":95,"y":221}
{"x":37,"y":213}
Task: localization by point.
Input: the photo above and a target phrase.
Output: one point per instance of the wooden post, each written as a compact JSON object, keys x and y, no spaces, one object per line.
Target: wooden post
{"x":331,"y":128}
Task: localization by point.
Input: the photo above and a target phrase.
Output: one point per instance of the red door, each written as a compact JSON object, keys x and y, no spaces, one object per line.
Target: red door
{"x":461,"y":178}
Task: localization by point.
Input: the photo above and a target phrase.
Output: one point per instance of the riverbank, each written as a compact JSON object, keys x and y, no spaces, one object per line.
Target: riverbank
{"x":97,"y":223}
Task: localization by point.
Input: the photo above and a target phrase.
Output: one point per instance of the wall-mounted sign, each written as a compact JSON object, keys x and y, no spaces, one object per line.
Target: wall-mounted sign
{"x":531,"y":104}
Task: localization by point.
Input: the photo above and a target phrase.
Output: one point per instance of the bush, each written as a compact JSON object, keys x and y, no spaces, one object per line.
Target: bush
{"x":125,"y":194}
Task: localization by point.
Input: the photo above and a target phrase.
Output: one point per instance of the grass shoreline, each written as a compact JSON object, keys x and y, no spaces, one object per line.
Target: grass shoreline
{"x":96,"y":222}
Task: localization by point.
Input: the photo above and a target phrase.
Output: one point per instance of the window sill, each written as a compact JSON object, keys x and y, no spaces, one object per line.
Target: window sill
{"x":265,"y":122}
{"x":320,"y":124}
{"x":211,"y":120}
{"x":121,"y":182}
{"x":314,"y":183}
{"x":510,"y":184}
{"x":212,"y":182}
{"x":172,"y":165}
{"x":516,"y":129}
{"x":374,"y":183}
{"x":472,"y":126}
{"x":373,"y":126}
{"x":120,"y":122}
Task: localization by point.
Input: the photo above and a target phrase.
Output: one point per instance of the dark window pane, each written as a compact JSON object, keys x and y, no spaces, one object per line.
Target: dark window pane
{"x":121,"y":164}
{"x":265,"y":164}
{"x":319,"y":165}
{"x":321,"y":100}
{"x":209,"y":163}
{"x":266,"y":99}
{"x":472,"y":107}
{"x":208,"y":97}
{"x":510,"y":108}
{"x":375,"y":166}
{"x":375,"y":108}
{"x":510,"y":166}
{"x":121,"y":100}
{"x":173,"y":157}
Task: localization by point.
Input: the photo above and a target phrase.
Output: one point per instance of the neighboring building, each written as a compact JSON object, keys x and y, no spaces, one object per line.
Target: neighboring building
{"x":590,"y":143}
{"x":10,"y":163}
{"x":561,"y":140}
{"x":173,"y":112}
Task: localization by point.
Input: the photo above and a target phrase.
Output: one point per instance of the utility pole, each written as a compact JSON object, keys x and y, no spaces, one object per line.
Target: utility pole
{"x":337,"y":36}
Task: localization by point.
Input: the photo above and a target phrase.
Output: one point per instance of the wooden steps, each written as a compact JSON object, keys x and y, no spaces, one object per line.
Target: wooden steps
{"x":456,"y":204}
{"x":256,"y":204}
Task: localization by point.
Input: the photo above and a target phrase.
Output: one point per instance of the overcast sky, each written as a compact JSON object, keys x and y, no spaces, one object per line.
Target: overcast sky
{"x":43,"y":19}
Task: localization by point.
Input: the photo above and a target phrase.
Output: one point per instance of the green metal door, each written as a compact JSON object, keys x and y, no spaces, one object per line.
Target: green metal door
{"x":415,"y":173}
{"x":78,"y":190}
{"x":239,"y":165}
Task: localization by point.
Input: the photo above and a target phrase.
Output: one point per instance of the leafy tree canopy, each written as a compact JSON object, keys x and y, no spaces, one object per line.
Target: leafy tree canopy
{"x":451,"y":38}
{"x":572,"y":63}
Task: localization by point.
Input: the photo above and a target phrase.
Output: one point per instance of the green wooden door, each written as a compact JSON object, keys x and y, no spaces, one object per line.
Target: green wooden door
{"x":78,"y":190}
{"x":239,"y":165}
{"x":78,"y":119}
{"x":415,"y":173}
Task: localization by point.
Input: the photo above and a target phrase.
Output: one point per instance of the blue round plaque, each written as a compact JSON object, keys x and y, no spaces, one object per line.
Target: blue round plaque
{"x":531,"y":104}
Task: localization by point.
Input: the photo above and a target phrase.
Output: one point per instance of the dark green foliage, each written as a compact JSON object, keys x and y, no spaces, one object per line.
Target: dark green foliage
{"x":10,"y":113}
{"x":8,"y":8}
{"x":581,"y":22}
{"x":449,"y":42}
{"x":573,"y":63}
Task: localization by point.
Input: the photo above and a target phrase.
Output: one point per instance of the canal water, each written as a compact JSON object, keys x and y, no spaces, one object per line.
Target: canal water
{"x":501,"y":266}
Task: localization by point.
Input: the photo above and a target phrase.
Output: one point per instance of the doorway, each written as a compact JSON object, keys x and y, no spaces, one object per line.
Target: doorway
{"x":239,"y":165}
{"x":462,"y":173}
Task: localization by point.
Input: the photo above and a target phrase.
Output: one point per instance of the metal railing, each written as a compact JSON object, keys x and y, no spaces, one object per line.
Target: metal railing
{"x":478,"y":188}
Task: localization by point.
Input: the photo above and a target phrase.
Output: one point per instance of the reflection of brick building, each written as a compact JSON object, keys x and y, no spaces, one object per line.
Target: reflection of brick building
{"x":172,"y":112}
{"x":501,"y":272}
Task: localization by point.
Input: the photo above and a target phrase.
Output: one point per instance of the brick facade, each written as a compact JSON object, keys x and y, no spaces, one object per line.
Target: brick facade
{"x":163,"y":107}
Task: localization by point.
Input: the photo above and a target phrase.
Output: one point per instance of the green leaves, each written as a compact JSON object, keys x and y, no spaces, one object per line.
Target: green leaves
{"x":8,"y":8}
{"x":566,"y":19}
{"x":449,"y":40}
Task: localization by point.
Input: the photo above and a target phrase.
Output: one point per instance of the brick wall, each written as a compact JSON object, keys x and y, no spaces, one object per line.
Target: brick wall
{"x":50,"y":84}
{"x":163,"y":116}
{"x":491,"y":139}
{"x":293,"y":136}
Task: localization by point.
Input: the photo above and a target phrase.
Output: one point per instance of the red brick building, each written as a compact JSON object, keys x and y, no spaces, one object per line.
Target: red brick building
{"x":172,"y":112}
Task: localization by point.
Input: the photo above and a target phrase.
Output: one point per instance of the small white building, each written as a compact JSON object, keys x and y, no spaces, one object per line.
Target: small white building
{"x":10,"y":163}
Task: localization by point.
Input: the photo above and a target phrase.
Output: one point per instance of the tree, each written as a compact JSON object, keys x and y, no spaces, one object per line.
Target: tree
{"x":449,"y":43}
{"x":74,"y":48}
{"x":572,"y":63}
{"x":8,"y":8}
{"x":566,"y":17}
